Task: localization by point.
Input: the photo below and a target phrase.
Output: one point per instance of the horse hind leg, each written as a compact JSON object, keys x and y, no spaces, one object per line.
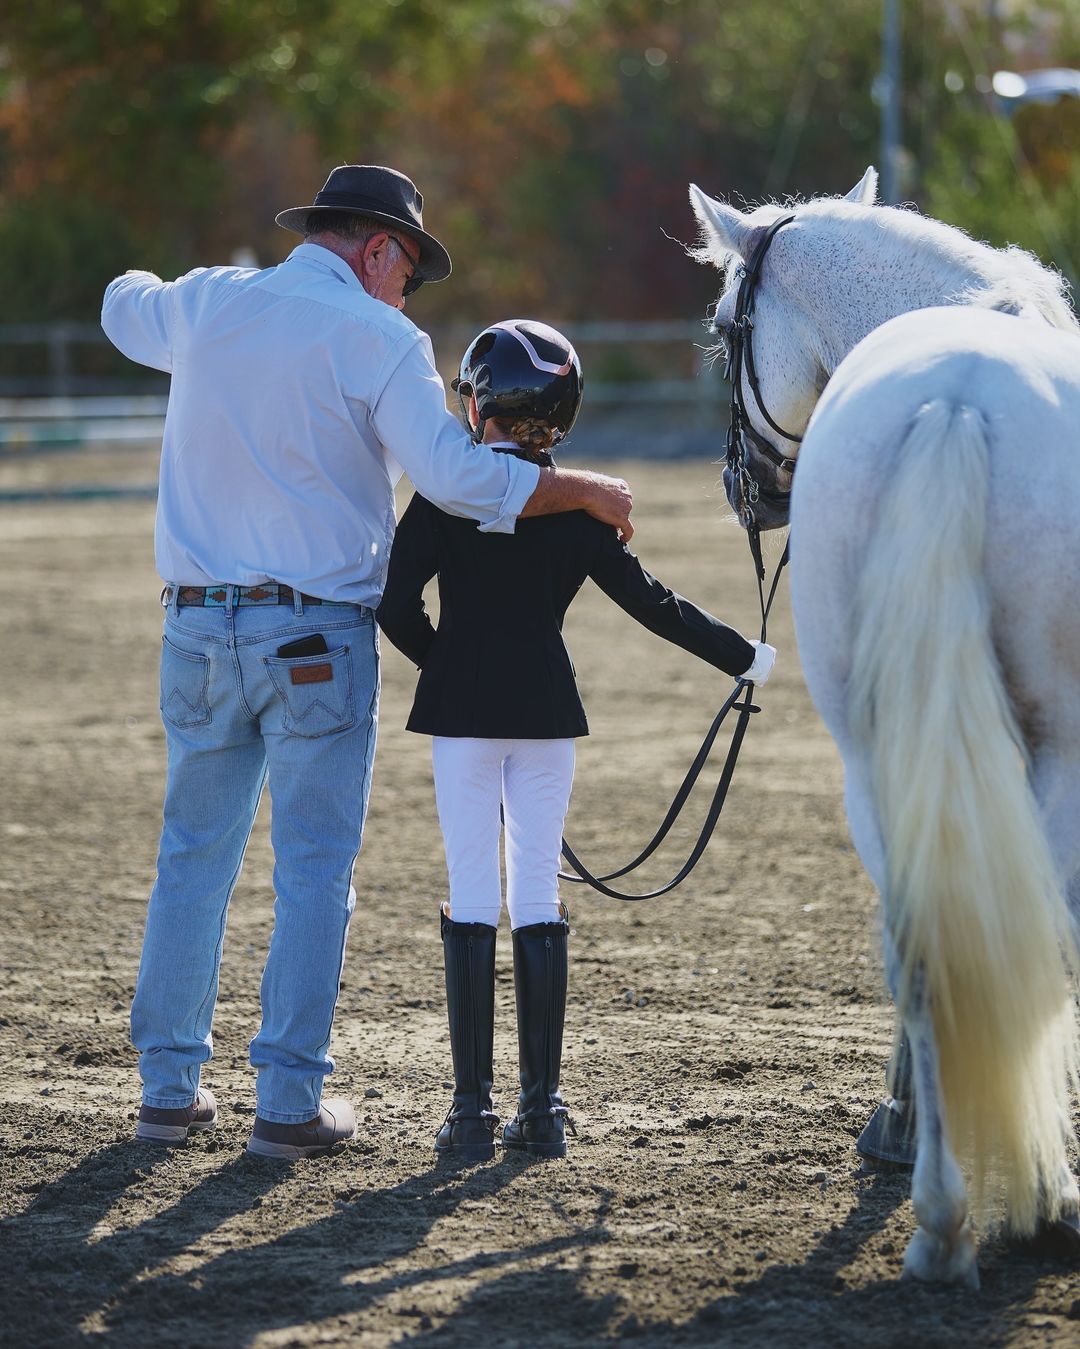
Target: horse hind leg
{"x":1060,"y":1235}
{"x":943,"y":1247}
{"x":1058,"y":1232}
{"x":887,"y":1142}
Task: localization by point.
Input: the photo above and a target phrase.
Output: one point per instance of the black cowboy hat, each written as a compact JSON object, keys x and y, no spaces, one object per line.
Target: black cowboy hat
{"x":383,"y":194}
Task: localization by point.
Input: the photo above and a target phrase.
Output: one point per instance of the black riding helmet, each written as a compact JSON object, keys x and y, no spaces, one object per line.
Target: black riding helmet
{"x":521,"y":368}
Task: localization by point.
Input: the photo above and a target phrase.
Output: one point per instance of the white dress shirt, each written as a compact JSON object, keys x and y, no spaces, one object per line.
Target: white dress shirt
{"x":296,"y":400}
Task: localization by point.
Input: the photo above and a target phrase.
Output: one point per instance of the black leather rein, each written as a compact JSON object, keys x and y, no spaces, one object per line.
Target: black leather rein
{"x":743,"y":690}
{"x":740,"y":358}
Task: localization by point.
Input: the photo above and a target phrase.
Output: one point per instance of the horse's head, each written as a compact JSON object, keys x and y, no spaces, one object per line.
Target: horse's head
{"x":777,"y":364}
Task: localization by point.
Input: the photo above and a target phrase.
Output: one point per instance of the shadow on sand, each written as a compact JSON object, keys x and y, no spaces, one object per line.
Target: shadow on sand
{"x":209,"y":1268}
{"x":72,"y":1278}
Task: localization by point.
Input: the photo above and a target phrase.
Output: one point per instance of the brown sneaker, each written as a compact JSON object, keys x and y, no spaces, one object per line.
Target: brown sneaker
{"x":173,"y":1126}
{"x":334,"y":1123}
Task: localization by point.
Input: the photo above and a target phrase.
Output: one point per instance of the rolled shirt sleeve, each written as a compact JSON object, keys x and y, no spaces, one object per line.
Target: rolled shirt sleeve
{"x":443,"y":463}
{"x":137,"y":316}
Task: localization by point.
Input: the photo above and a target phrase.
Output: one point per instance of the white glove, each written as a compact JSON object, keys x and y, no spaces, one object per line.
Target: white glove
{"x":764,"y":660}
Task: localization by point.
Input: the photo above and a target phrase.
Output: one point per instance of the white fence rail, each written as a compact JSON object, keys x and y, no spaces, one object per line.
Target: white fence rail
{"x":40,"y":424}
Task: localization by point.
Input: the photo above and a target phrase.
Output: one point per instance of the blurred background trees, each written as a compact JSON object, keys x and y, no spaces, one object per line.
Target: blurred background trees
{"x":553,"y":139}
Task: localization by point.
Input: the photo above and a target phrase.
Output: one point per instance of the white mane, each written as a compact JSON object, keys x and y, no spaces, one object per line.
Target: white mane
{"x":1024,"y":283}
{"x":1009,"y":279}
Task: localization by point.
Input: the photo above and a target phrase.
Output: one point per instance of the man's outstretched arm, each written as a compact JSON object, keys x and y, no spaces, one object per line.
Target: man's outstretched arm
{"x":573,"y":489}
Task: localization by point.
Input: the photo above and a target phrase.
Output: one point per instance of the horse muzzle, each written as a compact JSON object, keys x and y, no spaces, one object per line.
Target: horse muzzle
{"x":754,"y":503}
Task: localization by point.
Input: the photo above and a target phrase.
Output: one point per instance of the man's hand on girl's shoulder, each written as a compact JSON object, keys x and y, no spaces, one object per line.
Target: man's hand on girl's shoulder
{"x":572,"y":489}
{"x":613,"y":503}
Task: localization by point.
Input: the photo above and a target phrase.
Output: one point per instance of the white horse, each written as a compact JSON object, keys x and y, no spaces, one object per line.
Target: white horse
{"x":935,"y":560}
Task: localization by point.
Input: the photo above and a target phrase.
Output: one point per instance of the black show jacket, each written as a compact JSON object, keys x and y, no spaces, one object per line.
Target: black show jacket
{"x":497,"y":665}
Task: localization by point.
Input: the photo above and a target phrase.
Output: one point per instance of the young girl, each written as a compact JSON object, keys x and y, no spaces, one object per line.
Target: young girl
{"x":497,"y":694}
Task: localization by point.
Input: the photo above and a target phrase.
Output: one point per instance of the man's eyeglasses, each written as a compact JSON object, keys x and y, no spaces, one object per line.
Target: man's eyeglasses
{"x":414,"y":280}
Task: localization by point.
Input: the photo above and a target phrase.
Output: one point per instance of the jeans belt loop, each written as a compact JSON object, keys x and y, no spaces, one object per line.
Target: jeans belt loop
{"x":297,"y":603}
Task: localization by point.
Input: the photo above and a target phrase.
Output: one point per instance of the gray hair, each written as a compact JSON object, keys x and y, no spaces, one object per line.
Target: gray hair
{"x":345,"y":225}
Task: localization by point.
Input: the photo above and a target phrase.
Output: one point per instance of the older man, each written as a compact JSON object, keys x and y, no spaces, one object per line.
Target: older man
{"x":298,"y":394}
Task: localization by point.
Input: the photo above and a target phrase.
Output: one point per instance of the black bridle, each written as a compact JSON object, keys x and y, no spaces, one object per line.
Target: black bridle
{"x":741,"y":433}
{"x":740,"y":358}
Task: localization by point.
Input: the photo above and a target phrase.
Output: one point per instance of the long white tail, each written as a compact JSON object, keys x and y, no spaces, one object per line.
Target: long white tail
{"x":972,"y":899}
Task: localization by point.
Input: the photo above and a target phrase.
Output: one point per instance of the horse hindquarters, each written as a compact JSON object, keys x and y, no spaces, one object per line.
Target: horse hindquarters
{"x":972,"y":903}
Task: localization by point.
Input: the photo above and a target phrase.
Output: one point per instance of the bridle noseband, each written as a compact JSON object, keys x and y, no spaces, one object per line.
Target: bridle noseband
{"x":739,"y":339}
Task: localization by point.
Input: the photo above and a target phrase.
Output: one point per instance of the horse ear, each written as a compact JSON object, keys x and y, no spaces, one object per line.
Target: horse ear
{"x":864,"y":193}
{"x":723,"y":225}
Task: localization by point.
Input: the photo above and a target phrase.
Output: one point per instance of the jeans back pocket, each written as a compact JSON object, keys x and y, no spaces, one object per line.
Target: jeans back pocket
{"x":185,"y":685}
{"x":316,"y":691}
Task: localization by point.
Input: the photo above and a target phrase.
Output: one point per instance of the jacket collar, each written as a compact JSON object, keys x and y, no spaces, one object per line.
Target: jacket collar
{"x":543,"y":457}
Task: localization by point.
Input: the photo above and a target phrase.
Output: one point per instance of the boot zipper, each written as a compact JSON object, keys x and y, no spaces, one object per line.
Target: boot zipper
{"x":550,"y":960}
{"x":474,"y":1020}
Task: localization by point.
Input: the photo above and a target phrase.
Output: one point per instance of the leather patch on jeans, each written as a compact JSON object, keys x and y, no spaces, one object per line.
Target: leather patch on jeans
{"x":312,"y":674}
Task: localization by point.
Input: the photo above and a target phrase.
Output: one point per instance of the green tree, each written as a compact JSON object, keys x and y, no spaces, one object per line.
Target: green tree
{"x":1008,"y":177}
{"x":553,"y":139}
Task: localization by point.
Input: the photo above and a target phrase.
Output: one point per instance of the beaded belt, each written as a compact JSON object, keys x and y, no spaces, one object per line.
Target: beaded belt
{"x":213,"y":597}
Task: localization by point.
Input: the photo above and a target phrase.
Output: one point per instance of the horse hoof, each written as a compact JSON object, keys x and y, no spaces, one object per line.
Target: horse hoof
{"x":1057,"y":1240}
{"x":878,"y":1166}
{"x":887,"y":1143}
{"x":932,"y":1260}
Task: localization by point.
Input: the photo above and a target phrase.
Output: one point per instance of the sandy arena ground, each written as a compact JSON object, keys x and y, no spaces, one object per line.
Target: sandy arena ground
{"x":724,"y":1044}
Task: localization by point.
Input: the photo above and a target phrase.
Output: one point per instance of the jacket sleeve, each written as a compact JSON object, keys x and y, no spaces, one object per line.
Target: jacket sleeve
{"x":622,"y":578}
{"x":402,"y":614}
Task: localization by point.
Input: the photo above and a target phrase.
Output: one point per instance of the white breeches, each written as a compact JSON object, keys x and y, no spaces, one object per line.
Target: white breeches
{"x":531,"y":780}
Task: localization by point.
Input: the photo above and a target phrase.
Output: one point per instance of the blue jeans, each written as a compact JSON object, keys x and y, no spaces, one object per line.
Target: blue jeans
{"x":235,"y":713}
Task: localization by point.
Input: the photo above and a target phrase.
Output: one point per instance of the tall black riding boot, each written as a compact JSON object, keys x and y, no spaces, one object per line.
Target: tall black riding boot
{"x":539,"y":1127}
{"x":468,"y":1134}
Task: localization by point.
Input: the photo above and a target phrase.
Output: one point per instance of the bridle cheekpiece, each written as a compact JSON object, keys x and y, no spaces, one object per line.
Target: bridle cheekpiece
{"x":739,"y":338}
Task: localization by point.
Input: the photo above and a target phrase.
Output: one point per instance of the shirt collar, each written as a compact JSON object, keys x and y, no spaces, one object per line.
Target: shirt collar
{"x":314,"y":255}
